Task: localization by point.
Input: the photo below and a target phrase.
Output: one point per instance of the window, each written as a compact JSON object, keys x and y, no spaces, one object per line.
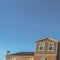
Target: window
{"x":30,"y":58}
{"x":51,"y":46}
{"x":41,"y":46}
{"x":44,"y":58}
{"x":15,"y":59}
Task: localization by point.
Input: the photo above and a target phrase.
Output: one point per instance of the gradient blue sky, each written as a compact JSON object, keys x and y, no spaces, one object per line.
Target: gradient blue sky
{"x":22,"y":22}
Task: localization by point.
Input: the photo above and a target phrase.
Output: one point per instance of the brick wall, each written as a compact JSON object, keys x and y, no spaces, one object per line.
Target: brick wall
{"x":20,"y":57}
{"x":49,"y":57}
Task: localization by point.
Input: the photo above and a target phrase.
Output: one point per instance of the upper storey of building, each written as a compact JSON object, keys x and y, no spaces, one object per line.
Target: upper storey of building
{"x":46,"y":46}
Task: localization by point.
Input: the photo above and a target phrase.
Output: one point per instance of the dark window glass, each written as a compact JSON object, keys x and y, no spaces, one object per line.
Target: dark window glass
{"x":50,"y":48}
{"x":45,"y":58}
{"x":41,"y":48}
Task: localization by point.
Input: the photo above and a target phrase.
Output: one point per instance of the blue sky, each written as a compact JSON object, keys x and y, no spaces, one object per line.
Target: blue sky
{"x":22,"y":22}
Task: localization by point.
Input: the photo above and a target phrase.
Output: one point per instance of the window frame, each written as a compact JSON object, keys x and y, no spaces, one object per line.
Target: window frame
{"x":43,"y":46}
{"x":49,"y":45}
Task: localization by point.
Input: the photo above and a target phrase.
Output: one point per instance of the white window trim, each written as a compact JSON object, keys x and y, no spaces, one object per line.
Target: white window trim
{"x":49,"y":44}
{"x":43,"y":46}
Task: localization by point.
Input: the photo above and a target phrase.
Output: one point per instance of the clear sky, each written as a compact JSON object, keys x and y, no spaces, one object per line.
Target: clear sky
{"x":22,"y":22}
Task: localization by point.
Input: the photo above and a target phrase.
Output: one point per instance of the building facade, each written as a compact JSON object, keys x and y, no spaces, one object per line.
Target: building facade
{"x":46,"y":49}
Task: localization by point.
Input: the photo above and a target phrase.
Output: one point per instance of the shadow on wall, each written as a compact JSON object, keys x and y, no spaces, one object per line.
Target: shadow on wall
{"x":58,"y":52}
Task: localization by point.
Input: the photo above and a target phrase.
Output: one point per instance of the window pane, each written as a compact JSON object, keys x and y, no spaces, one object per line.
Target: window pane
{"x":14,"y":58}
{"x":41,"y":48}
{"x":50,"y":48}
{"x":41,"y":45}
{"x":51,"y":44}
{"x":44,"y":58}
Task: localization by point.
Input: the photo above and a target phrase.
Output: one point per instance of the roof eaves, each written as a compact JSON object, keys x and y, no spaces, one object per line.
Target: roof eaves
{"x":22,"y":54}
{"x":48,"y":39}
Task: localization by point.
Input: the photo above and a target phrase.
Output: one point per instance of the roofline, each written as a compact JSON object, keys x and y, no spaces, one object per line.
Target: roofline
{"x":18,"y":55}
{"x":14,"y":54}
{"x":48,"y":38}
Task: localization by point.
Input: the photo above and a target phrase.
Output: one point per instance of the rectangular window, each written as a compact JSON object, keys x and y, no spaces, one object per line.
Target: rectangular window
{"x":44,"y":58}
{"x":50,"y":46}
{"x":15,"y":59}
{"x":41,"y":46}
{"x":30,"y":58}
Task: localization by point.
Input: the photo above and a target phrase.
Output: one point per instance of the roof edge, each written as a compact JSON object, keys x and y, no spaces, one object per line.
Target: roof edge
{"x":47,"y":38}
{"x":21,"y":54}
